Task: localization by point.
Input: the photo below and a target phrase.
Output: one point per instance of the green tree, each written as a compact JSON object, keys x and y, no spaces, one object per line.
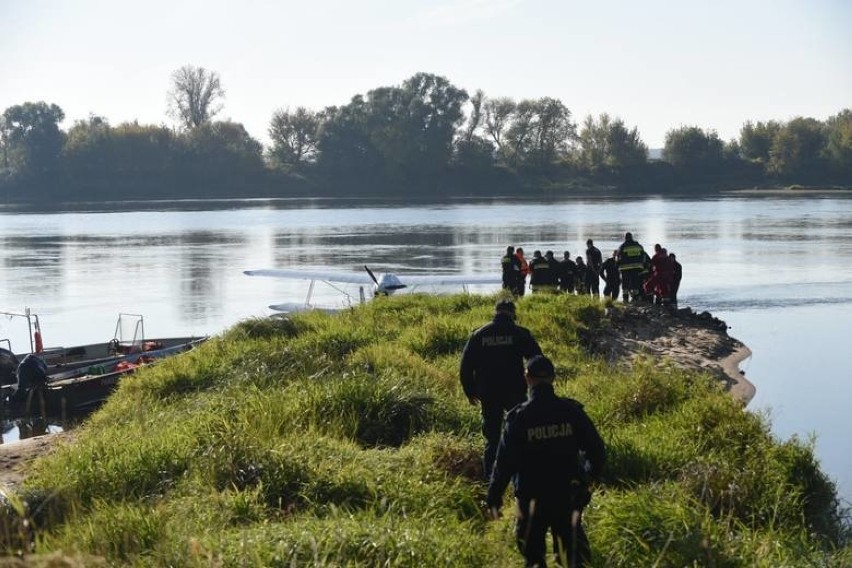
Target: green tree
{"x":407,"y":130}
{"x":607,"y":144}
{"x":626,"y":148}
{"x":295,"y":137}
{"x":476,"y":118}
{"x":756,"y":140}
{"x":345,"y":145}
{"x":797,"y":149}
{"x":221,"y":151}
{"x":87,"y":147}
{"x":537,"y":133}
{"x":414,"y":125}
{"x":838,"y":149}
{"x":473,"y":151}
{"x":498,"y":117}
{"x":195,"y":96}
{"x":693,"y":150}
{"x":5,"y":132}
{"x":32,"y":140}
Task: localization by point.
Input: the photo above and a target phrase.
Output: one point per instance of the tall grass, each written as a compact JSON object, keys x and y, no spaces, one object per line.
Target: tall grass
{"x":324,"y":440}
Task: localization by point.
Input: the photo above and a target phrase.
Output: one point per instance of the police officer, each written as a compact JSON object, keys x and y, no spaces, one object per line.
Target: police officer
{"x":541,"y":273}
{"x":511,"y":269}
{"x":492,"y":372}
{"x":611,"y":276}
{"x":594,"y":262}
{"x":567,"y":267}
{"x":550,"y":450}
{"x":677,"y":276}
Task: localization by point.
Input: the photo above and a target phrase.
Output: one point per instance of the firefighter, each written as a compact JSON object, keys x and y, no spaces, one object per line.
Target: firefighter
{"x":550,"y":450}
{"x":492,"y":372}
{"x":631,"y":261}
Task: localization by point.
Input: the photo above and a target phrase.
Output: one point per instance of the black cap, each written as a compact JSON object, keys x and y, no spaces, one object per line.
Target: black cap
{"x":505,"y":305}
{"x":540,"y":367}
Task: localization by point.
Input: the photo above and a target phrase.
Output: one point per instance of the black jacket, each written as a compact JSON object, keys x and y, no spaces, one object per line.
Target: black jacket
{"x":540,"y":449}
{"x":609,"y":270}
{"x":511,"y":269}
{"x":492,"y":363}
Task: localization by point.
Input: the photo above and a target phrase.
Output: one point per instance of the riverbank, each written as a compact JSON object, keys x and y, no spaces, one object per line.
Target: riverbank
{"x":690,"y":340}
{"x":696,"y":342}
{"x":345,"y":439}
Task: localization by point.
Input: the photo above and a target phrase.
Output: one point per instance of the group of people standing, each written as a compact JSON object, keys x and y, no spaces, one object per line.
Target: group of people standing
{"x":630,"y":270}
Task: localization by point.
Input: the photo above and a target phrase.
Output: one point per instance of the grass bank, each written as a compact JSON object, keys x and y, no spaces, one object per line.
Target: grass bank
{"x":345,"y":440}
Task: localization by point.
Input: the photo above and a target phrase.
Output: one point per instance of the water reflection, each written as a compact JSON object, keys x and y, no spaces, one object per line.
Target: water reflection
{"x":23,"y":428}
{"x":762,"y":264}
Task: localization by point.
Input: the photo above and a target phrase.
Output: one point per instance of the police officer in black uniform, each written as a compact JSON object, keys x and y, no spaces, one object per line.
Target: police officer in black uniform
{"x":492,"y":372}
{"x":612,"y":276}
{"x":542,"y":276}
{"x":594,"y":262}
{"x":550,"y":450}
{"x":567,"y":267}
{"x":511,"y":270}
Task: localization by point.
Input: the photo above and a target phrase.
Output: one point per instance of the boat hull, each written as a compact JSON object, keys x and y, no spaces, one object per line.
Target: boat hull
{"x":77,"y":390}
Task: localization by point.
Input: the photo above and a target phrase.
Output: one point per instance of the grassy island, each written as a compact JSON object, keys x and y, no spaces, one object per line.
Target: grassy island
{"x":345,"y":440}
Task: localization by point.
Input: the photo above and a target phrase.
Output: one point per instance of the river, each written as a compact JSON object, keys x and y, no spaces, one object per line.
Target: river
{"x":776,"y":267}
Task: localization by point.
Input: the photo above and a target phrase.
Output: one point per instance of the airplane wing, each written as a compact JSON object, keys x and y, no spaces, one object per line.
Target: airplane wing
{"x":449,"y":279}
{"x":365,"y":279}
{"x":323,"y":276}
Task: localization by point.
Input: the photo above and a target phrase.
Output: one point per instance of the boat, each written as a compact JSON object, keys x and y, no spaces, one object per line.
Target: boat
{"x":128,"y":339}
{"x":39,"y":392}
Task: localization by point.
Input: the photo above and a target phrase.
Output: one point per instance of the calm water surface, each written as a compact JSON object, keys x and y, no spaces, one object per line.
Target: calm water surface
{"x":777,"y":269}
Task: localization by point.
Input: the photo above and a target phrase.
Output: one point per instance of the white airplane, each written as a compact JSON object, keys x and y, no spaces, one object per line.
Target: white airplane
{"x":383,"y":285}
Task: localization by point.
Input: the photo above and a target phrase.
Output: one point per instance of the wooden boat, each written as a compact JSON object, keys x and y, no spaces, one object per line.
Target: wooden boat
{"x":77,"y":390}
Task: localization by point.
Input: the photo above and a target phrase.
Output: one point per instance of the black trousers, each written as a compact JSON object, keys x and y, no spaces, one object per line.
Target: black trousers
{"x":536,"y":518}
{"x":611,"y":290}
{"x":493,"y":412}
{"x":631,"y":283}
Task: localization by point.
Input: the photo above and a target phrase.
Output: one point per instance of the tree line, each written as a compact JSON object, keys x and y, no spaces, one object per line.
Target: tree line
{"x":424,"y":132}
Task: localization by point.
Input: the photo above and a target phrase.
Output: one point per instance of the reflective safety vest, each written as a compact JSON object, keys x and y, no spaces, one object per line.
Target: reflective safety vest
{"x":631,"y":256}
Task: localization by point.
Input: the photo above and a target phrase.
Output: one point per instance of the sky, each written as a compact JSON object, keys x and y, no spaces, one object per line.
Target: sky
{"x":657,"y":64}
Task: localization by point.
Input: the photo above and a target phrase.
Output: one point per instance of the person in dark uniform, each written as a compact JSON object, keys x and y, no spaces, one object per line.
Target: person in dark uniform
{"x":550,"y":450}
{"x":581,"y":279}
{"x":677,"y":276}
{"x":566,"y":273}
{"x":594,"y":262}
{"x":492,"y":372}
{"x":511,"y":270}
{"x":611,"y":276}
{"x":554,"y":271}
{"x":631,"y":263}
{"x":541,"y":274}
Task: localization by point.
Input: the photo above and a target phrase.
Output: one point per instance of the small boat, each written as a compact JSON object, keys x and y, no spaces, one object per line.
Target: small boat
{"x":72,"y":391}
{"x":59,"y":380}
{"x":128,"y":339}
